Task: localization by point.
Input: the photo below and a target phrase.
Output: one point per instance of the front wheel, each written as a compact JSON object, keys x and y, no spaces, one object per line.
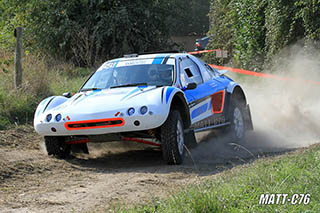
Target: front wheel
{"x":172,"y":139}
{"x":56,"y":146}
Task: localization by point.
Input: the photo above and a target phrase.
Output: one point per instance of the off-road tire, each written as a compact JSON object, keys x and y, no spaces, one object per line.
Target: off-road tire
{"x":237,"y":128}
{"x":56,"y":146}
{"x":170,"y":139}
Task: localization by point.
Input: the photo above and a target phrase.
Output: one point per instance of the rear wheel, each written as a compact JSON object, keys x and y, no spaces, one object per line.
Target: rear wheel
{"x":172,"y":138}
{"x":56,"y":146}
{"x":237,"y":128}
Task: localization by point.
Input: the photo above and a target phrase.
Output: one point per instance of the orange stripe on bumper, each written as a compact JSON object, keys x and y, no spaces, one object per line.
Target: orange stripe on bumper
{"x":94,"y":124}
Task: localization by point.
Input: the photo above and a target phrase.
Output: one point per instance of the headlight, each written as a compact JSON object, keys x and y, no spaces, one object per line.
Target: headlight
{"x":58,"y":117}
{"x":49,"y":117}
{"x":131,"y":111}
{"x":143,"y":110}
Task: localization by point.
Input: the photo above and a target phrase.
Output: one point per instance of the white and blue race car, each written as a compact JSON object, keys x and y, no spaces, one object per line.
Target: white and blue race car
{"x":156,"y":99}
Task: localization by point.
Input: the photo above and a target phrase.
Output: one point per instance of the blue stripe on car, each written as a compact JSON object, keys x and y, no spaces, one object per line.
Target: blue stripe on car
{"x":87,"y":94}
{"x":198,"y":111}
{"x":168,"y":93}
{"x":133,"y":91}
{"x":210,"y":105}
{"x":157,"y":60}
{"x":116,"y":63}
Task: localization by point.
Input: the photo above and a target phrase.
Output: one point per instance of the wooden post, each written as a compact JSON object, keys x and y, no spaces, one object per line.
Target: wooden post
{"x":18,"y":58}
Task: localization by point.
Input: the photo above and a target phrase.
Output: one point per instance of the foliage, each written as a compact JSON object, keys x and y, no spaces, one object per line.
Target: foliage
{"x":41,"y":79}
{"x":188,"y":17}
{"x":254,"y":31}
{"x":220,"y":24}
{"x":90,"y":31}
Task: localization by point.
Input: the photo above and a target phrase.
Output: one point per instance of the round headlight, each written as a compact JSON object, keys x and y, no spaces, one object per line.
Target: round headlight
{"x":143,"y":110}
{"x":58,"y":117}
{"x":131,"y":111}
{"x":49,"y":117}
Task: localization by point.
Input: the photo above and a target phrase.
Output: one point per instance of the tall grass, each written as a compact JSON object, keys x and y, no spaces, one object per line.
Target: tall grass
{"x":42,"y":77}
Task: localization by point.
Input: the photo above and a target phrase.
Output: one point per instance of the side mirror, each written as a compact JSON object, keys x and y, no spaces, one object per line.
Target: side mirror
{"x":191,"y":86}
{"x":67,"y":94}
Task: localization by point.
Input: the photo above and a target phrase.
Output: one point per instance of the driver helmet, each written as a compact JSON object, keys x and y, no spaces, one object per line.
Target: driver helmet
{"x":153,"y":73}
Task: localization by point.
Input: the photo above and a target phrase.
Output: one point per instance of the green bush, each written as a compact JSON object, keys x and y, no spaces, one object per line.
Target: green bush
{"x":254,"y":31}
{"x":86,"y":31}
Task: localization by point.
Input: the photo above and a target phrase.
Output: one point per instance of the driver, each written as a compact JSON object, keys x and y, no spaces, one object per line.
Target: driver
{"x":153,"y":73}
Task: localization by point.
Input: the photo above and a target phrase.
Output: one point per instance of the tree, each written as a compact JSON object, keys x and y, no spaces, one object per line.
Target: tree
{"x":87,"y":31}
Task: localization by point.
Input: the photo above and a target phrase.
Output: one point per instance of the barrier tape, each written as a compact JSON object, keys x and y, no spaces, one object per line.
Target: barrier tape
{"x":203,"y":51}
{"x":252,"y":73}
{"x":263,"y":75}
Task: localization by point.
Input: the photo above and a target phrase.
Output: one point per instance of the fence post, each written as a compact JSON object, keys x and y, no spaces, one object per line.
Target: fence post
{"x":18,"y":58}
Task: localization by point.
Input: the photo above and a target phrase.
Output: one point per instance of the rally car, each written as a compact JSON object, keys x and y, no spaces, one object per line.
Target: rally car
{"x":156,"y":99}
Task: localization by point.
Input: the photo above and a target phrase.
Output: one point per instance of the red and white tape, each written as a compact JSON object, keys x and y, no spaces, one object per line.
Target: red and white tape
{"x":263,"y":75}
{"x":203,"y":51}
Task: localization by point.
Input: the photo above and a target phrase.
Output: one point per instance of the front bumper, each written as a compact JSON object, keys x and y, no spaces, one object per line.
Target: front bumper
{"x":99,"y":126}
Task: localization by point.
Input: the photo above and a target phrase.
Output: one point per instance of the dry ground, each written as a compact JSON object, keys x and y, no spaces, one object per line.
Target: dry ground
{"x":113,"y":174}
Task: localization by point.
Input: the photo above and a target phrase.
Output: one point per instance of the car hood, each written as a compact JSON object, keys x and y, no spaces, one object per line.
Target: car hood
{"x":106,"y":99}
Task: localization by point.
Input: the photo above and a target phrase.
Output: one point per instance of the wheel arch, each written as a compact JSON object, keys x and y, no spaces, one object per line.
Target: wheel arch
{"x":49,"y":103}
{"x":239,"y":95}
{"x":179,"y":103}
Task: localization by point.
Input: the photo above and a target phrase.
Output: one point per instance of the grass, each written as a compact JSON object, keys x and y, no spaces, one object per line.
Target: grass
{"x":239,"y":189}
{"x":41,"y":78}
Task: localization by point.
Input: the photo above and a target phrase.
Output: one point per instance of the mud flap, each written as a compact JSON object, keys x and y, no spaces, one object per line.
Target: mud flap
{"x":248,"y":119}
{"x":78,"y":148}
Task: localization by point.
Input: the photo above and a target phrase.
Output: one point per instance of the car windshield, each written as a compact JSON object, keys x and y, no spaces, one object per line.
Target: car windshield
{"x":108,"y":76}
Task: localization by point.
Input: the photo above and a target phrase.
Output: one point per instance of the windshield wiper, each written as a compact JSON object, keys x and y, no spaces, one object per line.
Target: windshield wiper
{"x":129,"y":85}
{"x":89,"y":89}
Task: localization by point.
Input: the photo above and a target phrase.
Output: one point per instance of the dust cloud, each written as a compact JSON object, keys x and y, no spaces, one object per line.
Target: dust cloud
{"x":285,"y":113}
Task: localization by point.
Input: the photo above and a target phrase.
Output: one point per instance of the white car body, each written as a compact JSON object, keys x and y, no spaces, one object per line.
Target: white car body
{"x":95,"y":106}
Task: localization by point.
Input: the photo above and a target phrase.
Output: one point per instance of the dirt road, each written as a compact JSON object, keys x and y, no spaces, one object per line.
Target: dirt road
{"x":30,"y":181}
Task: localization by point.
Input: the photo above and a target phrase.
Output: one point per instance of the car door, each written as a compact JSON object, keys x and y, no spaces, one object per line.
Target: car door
{"x":199,"y":99}
{"x":209,"y":96}
{"x":216,"y":86}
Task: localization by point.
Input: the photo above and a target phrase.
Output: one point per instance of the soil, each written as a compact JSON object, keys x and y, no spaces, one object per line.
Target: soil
{"x":112,"y":174}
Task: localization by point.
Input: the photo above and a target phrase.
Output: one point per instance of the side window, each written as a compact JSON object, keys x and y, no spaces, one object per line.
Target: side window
{"x":189,"y":72}
{"x":207,"y":75}
{"x":208,"y":72}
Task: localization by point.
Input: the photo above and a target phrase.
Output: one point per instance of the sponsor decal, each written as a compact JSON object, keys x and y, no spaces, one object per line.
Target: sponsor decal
{"x":198,"y":111}
{"x":211,"y":121}
{"x":135,"y":62}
